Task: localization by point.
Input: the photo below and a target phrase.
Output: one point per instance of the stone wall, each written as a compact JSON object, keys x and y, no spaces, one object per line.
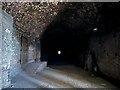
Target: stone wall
{"x":15,"y":62}
{"x":107,"y":52}
{"x":24,"y":50}
{"x":34,"y":51}
{"x":31,"y":54}
{"x":38,"y":50}
{"x":10,"y":50}
{"x":0,"y":43}
{"x":7,"y":30}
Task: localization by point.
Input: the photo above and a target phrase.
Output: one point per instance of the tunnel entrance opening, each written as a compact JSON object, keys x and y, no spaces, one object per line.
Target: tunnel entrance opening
{"x":62,"y":46}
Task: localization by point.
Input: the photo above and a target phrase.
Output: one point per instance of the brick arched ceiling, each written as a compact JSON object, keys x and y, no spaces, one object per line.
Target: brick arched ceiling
{"x":34,"y":17}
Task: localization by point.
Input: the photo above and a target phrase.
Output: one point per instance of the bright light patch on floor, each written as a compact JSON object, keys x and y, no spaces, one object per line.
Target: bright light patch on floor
{"x":59,"y":52}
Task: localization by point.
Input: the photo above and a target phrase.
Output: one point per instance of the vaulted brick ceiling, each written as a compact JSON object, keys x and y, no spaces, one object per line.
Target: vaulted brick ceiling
{"x":33,"y":18}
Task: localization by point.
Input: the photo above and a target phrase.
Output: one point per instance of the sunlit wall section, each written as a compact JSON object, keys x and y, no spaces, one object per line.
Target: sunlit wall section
{"x":0,"y":44}
{"x":6,"y":48}
{"x":10,"y":50}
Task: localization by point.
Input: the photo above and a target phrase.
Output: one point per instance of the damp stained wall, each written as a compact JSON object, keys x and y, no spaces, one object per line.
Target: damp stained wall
{"x":107,"y":51}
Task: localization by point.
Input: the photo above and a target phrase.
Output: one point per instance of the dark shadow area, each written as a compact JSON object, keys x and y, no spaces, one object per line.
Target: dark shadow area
{"x":67,"y":39}
{"x":62,"y":39}
{"x":60,"y":36}
{"x":72,"y":28}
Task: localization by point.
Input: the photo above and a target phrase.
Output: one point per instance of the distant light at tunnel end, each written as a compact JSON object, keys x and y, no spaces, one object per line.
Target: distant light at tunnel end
{"x":95,"y":29}
{"x":59,"y":52}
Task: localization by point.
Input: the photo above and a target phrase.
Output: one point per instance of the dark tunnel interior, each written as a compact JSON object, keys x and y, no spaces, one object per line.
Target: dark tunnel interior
{"x":65,"y":36}
{"x":61,"y":46}
{"x":66,"y":39}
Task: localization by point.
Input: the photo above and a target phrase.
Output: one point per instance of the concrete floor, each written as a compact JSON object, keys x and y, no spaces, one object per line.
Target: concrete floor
{"x":58,"y":77}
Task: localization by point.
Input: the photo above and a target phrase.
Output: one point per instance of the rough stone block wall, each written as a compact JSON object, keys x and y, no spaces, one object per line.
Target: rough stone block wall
{"x":107,"y":51}
{"x":15,"y":62}
{"x":33,"y":53}
{"x":24,"y":50}
{"x":10,"y":50}
{"x":0,"y":44}
{"x":31,"y":50}
{"x":6,"y":48}
{"x":38,"y":52}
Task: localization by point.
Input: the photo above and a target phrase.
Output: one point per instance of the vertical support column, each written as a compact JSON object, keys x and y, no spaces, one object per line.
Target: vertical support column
{"x":37,"y":49}
{"x":34,"y":49}
{"x":31,"y":50}
{"x":24,"y":50}
{"x":40,"y":49}
{"x":30,"y":54}
{"x":20,"y":35}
